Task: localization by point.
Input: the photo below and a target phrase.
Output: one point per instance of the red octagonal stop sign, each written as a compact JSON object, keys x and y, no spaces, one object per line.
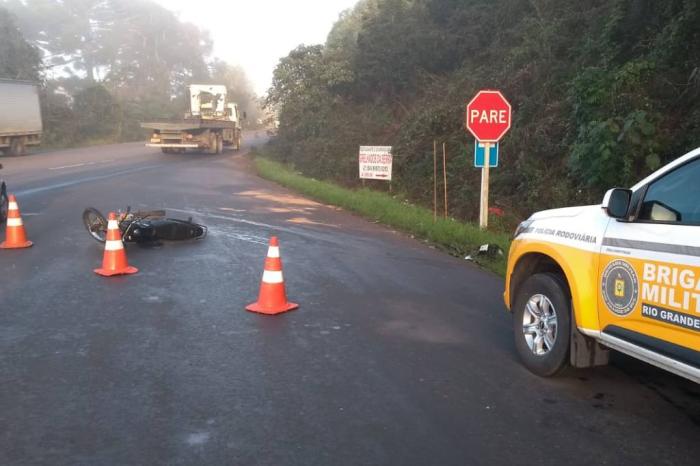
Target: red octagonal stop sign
{"x":488,"y":116}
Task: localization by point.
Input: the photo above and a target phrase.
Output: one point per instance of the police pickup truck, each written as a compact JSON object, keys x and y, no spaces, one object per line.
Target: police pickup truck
{"x":623,"y":275}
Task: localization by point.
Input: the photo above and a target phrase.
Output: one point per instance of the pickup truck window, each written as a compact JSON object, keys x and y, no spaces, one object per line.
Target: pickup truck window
{"x":674,"y":198}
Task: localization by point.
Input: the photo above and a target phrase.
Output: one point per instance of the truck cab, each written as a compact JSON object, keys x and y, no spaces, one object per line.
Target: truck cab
{"x":623,"y":275}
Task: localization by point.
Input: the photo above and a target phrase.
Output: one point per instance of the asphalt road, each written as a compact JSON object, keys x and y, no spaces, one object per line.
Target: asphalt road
{"x":398,"y":354}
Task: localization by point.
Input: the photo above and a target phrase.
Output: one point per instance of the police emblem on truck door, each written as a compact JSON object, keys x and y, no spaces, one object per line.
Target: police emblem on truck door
{"x":620,"y":287}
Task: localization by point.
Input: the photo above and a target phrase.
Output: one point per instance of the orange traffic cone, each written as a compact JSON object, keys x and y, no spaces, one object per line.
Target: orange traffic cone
{"x":114,"y":261}
{"x":272,"y":298}
{"x":15,"y":236}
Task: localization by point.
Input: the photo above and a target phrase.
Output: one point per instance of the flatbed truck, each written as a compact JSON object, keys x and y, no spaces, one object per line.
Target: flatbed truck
{"x":211,"y":124}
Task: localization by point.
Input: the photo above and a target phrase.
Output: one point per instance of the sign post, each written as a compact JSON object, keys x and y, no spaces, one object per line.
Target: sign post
{"x":488,"y":118}
{"x":434,"y":181}
{"x":484,"y":199}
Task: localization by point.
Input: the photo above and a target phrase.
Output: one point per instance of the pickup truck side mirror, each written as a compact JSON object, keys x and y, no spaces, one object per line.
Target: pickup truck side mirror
{"x":616,"y":202}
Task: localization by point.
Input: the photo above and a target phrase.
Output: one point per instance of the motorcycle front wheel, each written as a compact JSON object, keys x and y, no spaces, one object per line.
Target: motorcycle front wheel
{"x":95,"y":223}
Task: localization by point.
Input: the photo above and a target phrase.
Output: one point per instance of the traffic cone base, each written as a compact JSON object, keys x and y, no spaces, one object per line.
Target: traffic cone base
{"x":15,"y":236}
{"x":110,"y":273}
{"x":256,"y":307}
{"x":6,"y":245}
{"x":273,"y":296}
{"x":114,"y":261}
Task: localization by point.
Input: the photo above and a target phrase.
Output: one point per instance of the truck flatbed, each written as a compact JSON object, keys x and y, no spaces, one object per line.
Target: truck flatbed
{"x":187,"y":124}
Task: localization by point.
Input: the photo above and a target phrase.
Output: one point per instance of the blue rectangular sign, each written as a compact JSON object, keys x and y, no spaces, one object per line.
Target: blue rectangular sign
{"x":479,"y":154}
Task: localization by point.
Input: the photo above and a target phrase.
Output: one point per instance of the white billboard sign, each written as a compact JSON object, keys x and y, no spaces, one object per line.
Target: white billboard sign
{"x":375,"y":162}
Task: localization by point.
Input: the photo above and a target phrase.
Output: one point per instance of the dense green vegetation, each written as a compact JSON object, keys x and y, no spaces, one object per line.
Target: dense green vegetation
{"x":18,"y":59}
{"x":603,"y":92}
{"x":457,"y":238}
{"x":106,"y":65}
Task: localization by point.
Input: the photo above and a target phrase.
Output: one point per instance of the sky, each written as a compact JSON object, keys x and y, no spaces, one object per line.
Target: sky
{"x":257,"y":33}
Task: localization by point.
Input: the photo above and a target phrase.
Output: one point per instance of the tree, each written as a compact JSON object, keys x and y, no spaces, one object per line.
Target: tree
{"x":137,"y":47}
{"x":118,"y":62}
{"x":604,"y":91}
{"x":153,"y":52}
{"x":18,"y":59}
{"x":97,"y":113}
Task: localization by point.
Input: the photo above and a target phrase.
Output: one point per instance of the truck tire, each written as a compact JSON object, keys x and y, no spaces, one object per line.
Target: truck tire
{"x":219,"y":144}
{"x":17,"y":147}
{"x":542,"y":323}
{"x":213,"y":144}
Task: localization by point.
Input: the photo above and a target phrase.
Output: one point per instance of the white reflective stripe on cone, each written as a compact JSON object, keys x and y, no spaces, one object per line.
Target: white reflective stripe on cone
{"x":273,"y":251}
{"x":12,"y":206}
{"x":14,"y":222}
{"x":113,"y":225}
{"x":272,"y":277}
{"x":113,"y":245}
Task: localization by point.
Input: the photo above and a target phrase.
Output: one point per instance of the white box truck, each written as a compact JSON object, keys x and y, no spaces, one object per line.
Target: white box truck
{"x":20,"y":116}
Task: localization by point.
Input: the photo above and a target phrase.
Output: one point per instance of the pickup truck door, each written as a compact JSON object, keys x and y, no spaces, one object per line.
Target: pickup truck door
{"x":649,"y":272}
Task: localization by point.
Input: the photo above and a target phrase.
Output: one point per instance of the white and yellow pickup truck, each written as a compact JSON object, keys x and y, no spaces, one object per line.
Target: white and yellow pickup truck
{"x":623,"y":275}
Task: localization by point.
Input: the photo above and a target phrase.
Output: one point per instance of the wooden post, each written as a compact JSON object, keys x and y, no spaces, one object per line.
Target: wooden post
{"x":434,"y":180}
{"x":484,"y":208}
{"x":444,"y":174}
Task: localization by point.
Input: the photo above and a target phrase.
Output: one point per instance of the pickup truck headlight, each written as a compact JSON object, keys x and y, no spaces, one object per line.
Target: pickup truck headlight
{"x":524,"y":225}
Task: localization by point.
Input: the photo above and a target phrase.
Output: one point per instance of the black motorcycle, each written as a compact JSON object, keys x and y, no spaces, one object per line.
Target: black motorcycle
{"x":143,"y":227}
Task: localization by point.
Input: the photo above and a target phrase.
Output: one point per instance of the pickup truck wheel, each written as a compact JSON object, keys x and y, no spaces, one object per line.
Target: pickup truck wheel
{"x":542,"y":324}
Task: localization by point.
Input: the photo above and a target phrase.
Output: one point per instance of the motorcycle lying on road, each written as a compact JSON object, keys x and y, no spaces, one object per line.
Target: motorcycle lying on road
{"x":143,"y":227}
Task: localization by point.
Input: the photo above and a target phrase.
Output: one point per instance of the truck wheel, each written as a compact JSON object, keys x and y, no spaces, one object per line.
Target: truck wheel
{"x":212,"y":144}
{"x":16,"y":147}
{"x":542,"y":324}
{"x":165,"y":150}
{"x":219,"y":144}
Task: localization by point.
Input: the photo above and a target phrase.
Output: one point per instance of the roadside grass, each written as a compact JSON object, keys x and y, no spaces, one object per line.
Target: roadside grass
{"x":457,"y":238}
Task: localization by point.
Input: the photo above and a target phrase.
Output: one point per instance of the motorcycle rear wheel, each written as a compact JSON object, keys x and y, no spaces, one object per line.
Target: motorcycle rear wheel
{"x":95,"y":223}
